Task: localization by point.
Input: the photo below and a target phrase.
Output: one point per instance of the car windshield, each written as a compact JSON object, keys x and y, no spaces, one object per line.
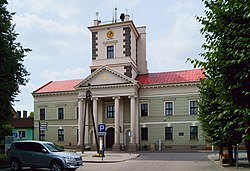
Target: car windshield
{"x":53,"y":147}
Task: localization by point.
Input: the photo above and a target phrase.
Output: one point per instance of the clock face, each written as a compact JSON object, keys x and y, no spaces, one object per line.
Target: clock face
{"x":110,"y":34}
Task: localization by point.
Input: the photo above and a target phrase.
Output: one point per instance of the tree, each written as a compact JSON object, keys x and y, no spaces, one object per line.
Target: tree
{"x":12,"y":71}
{"x":225,"y":92}
{"x":31,"y":115}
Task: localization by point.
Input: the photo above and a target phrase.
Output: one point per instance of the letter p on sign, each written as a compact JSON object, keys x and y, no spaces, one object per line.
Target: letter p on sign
{"x":101,"y":128}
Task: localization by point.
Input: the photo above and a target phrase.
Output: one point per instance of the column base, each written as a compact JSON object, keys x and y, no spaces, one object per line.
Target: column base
{"x":133,"y":147}
{"x":122,"y":147}
{"x":94,"y":147}
{"x":116,"y":147}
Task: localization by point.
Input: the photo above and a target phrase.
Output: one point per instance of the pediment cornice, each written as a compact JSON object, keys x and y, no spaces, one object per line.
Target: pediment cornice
{"x":84,"y":84}
{"x":196,"y":83}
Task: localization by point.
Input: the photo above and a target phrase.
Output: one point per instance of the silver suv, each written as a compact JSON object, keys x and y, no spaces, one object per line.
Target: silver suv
{"x":42,"y":154}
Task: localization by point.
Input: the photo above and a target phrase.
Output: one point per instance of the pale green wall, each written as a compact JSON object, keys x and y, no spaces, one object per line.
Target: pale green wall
{"x":156,"y":121}
{"x":181,"y":115}
{"x":69,"y":123}
{"x":29,"y":133}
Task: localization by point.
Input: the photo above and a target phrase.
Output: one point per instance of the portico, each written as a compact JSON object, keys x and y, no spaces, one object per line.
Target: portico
{"x":116,"y":107}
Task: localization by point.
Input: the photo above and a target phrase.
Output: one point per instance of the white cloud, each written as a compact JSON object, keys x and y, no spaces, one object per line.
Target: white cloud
{"x":31,"y":21}
{"x":170,"y":51}
{"x":77,"y":72}
{"x":64,"y":10}
{"x":29,"y":87}
{"x":51,"y":75}
{"x":68,"y":73}
{"x":24,"y":99}
{"x":180,"y":7}
{"x":120,"y":3}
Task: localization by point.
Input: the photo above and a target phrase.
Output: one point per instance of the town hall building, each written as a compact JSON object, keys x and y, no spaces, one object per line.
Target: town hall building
{"x":141,"y":110}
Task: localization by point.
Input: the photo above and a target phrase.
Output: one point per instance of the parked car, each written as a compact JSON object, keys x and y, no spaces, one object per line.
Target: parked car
{"x":42,"y":154}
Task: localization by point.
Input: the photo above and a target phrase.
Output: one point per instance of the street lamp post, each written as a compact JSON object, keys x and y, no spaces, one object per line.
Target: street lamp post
{"x":89,"y":104}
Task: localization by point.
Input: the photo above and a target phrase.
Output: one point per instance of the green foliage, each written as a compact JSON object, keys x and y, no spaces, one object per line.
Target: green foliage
{"x":12,"y":72}
{"x":225,"y":92}
{"x":31,"y":115}
{"x":3,"y":159}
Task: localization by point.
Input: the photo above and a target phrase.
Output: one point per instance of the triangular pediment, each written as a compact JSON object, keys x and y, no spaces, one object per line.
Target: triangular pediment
{"x":105,"y":76}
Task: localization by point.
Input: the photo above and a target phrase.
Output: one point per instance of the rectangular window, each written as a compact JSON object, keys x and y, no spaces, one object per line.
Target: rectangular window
{"x":60,"y":135}
{"x":110,"y":111}
{"x":181,"y":133}
{"x":42,"y":135}
{"x":110,"y":52}
{"x":144,"y":133}
{"x":193,"y":132}
{"x":144,"y":109}
{"x":168,"y":133}
{"x":22,"y":134}
{"x":193,"y":109}
{"x":77,"y":136}
{"x":42,"y":114}
{"x":77,"y":112}
{"x":169,"y":107}
{"x":60,"y":113}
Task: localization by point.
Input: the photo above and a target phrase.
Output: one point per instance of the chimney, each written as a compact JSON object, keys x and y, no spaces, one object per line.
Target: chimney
{"x":24,"y":114}
{"x":96,"y":22}
{"x":127,"y":17}
{"x":19,"y":114}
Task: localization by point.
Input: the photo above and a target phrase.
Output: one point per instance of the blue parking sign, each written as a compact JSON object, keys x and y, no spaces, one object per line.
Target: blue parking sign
{"x":101,"y":128}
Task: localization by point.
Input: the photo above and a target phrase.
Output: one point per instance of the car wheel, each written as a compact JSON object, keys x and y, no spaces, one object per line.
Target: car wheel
{"x":15,"y":165}
{"x":56,"y":166}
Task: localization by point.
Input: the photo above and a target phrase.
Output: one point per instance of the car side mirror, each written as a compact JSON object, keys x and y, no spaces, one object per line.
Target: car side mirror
{"x":44,"y":150}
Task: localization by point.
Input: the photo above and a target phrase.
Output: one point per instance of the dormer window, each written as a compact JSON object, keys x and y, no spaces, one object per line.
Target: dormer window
{"x":110,"y":52}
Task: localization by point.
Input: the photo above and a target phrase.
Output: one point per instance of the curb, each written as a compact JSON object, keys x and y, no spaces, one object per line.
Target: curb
{"x":217,"y":163}
{"x":110,"y":161}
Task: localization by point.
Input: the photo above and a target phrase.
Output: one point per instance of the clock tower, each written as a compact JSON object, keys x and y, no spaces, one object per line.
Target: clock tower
{"x":120,"y":45}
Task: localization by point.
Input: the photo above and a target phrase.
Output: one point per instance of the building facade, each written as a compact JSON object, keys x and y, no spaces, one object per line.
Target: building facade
{"x":141,"y":110}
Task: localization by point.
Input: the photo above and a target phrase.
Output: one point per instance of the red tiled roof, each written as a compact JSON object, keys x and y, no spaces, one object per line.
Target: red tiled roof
{"x":144,"y":79}
{"x":171,"y":77}
{"x":57,"y":86}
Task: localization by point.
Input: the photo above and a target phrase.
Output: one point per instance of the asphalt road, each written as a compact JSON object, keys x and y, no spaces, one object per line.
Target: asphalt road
{"x":156,"y":162}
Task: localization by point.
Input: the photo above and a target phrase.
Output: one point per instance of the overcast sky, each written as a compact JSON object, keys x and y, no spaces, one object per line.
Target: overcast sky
{"x":56,"y":31}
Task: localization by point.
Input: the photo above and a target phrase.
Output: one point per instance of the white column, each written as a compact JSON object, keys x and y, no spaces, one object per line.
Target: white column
{"x":80,"y":121}
{"x":95,"y":113}
{"x":95,"y":110}
{"x":137,"y":119}
{"x":86,"y":139}
{"x":100,"y":111}
{"x":133,"y":120}
{"x":121,"y":122}
{"x":117,"y":121}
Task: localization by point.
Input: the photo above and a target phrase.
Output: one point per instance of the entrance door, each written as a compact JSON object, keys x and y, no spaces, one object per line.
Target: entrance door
{"x":110,"y":137}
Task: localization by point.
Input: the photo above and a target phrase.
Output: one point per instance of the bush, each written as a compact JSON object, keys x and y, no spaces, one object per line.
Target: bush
{"x":3,"y":159}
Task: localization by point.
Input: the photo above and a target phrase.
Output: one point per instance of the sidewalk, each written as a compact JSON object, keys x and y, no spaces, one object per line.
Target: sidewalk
{"x":243,"y":162}
{"x":110,"y":157}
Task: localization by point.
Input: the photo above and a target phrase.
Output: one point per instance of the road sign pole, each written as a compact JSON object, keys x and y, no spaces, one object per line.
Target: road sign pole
{"x":39,"y":131}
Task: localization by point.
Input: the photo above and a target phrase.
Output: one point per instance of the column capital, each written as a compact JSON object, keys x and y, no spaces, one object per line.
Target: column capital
{"x":116,"y":97}
{"x":132,"y":96}
{"x":95,"y":98}
{"x":80,"y":96}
